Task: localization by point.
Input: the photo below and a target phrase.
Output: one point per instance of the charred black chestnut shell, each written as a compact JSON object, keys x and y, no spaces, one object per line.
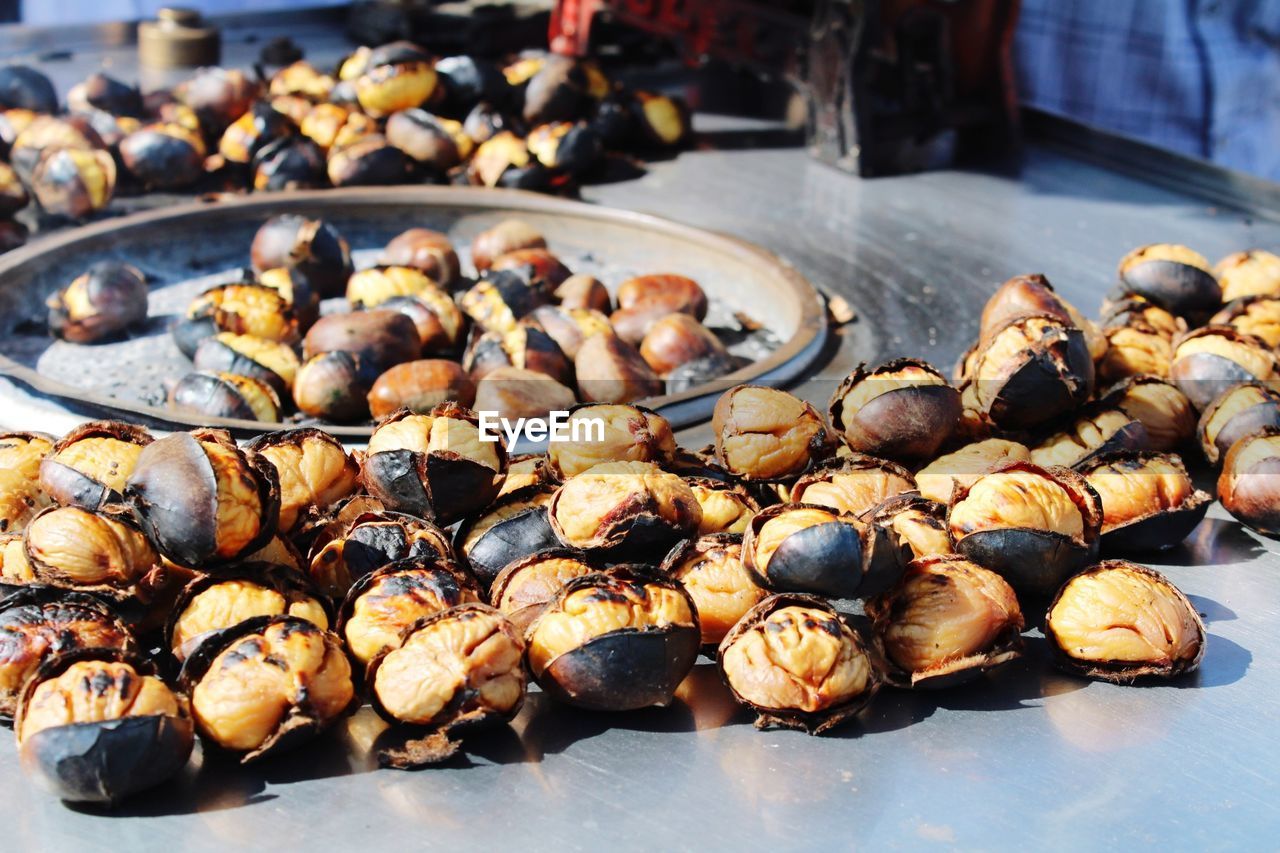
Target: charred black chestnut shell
{"x":312,"y":246}
{"x":1253,"y":419}
{"x":1204,"y":376}
{"x":71,"y":487}
{"x":289,"y":163}
{"x":373,"y":540}
{"x":163,"y":158}
{"x":369,"y":161}
{"x":117,"y":293}
{"x":624,"y":669}
{"x":826,"y":559}
{"x":1036,"y":562}
{"x":525,"y":615}
{"x":1179,"y":288}
{"x":213,"y":395}
{"x":105,"y":761}
{"x":335,"y":386}
{"x":220,"y":357}
{"x":1157,"y":531}
{"x":23,"y":87}
{"x":1057,"y":378}
{"x":526,"y":532}
{"x":905,"y":423}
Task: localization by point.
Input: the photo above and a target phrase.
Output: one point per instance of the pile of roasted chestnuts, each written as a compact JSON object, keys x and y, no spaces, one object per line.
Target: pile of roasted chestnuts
{"x":306,"y":337}
{"x":280,"y":584}
{"x":392,"y":114}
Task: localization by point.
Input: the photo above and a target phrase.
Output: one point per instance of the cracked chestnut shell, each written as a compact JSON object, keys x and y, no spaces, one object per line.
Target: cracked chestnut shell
{"x":525,"y":586}
{"x":766,"y":434}
{"x":15,"y":571}
{"x":805,"y":548}
{"x":1247,"y":484}
{"x":507,"y":236}
{"x":511,"y":528}
{"x":420,"y":386}
{"x":225,"y":395}
{"x":797,"y":664}
{"x":616,"y":640}
{"x":441,"y":324}
{"x":632,"y":509}
{"x":241,"y":308}
{"x":1035,"y":526}
{"x":426,"y":138}
{"x":1148,"y":500}
{"x":335,"y":386}
{"x":1239,"y":411}
{"x":1253,"y":315}
{"x":252,"y":132}
{"x":313,"y":468}
{"x":88,"y":467}
{"x":1135,"y":349}
{"x":100,"y":303}
{"x":370,"y":541}
{"x":1253,"y":272}
{"x":436,"y":466}
{"x":1030,"y":371}
{"x":1162,"y":408}
{"x":381,"y":338}
{"x":100,"y":552}
{"x":164,"y":156}
{"x":456,"y":670}
{"x":537,"y":268}
{"x":399,"y":76}
{"x":382,"y":604}
{"x":903,"y":410}
{"x":426,"y":250}
{"x":370,"y":160}
{"x":38,"y":622}
{"x":98,"y":725}
{"x":204,"y":501}
{"x":73,"y":182}
{"x":609,"y":370}
{"x":314,"y":247}
{"x":289,"y":163}
{"x":297,"y":290}
{"x":210,"y":603}
{"x":568,"y":327}
{"x":1209,"y":360}
{"x":266,"y":685}
{"x":269,"y":362}
{"x":369,"y":288}
{"x":630,"y":434}
{"x":852,"y":484}
{"x":960,"y":468}
{"x":499,"y":300}
{"x":1118,"y":621}
{"x":218,"y":96}
{"x":523,"y":347}
{"x":1033,"y":296}
{"x":21,"y":499}
{"x":1172,"y":276}
{"x":1099,"y":428}
{"x":726,"y":507}
{"x":946,"y":622}
{"x":566,"y":147}
{"x":909,"y":527}
{"x":711,"y":570}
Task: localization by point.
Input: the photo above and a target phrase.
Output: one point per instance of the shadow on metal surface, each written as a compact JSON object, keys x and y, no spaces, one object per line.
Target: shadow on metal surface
{"x":1215,"y":542}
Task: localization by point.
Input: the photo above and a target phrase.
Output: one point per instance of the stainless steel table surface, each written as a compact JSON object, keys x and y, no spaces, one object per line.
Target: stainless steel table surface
{"x":1026,"y":757}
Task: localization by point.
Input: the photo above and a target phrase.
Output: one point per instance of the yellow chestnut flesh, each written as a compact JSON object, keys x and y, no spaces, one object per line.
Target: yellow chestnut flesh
{"x":882,"y":383}
{"x":764,"y":433}
{"x":1085,"y":436}
{"x":1257,"y":361}
{"x":239,"y":515}
{"x":1133,"y":490}
{"x":723,"y":511}
{"x":231,"y":602}
{"x":391,"y":603}
{"x":962,"y":468}
{"x":721,"y":588}
{"x":86,"y":548}
{"x":96,"y":691}
{"x":629,"y":435}
{"x":1251,"y":273}
{"x":1016,"y":499}
{"x":853,"y":492}
{"x":774,"y":531}
{"x":589,"y":503}
{"x":1165,"y":252}
{"x":429,"y":434}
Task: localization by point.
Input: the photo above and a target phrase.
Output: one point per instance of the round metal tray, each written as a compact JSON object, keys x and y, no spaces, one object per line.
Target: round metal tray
{"x":187,"y":248}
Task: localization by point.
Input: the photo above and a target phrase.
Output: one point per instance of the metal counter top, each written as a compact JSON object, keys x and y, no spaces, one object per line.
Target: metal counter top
{"x":1026,"y":757}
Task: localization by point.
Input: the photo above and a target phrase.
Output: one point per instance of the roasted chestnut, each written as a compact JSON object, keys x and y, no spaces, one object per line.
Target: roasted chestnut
{"x":537,"y":268}
{"x":332,"y":126}
{"x":99,"y":552}
{"x":1172,"y":276}
{"x":947,"y":621}
{"x":253,"y":131}
{"x":805,"y":548}
{"x":795,"y":661}
{"x":852,"y":484}
{"x":1254,"y":315}
{"x":72,"y":182}
{"x":468,"y":80}
{"x":1135,"y":349}
{"x":1139,"y":313}
{"x":629,"y":508}
{"x":1030,"y":371}
{"x":301,"y":78}
{"x":664,"y":119}
{"x":24,"y":87}
{"x":370,"y":541}
{"x":398,"y":76}
{"x":371,"y":287}
{"x":289,"y":163}
{"x":312,"y":246}
{"x":218,"y":96}
{"x":1148,"y":500}
{"x":617,"y":640}
{"x":903,"y":409}
{"x":21,"y":453}
{"x":1246,"y":485}
{"x":382,"y":338}
{"x":500,"y":299}
{"x":557,"y":91}
{"x":524,"y":587}
{"x":270,"y":362}
{"x":458,"y":669}
{"x":441,"y":324}
{"x":568,"y":327}
{"x":726,"y":507}
{"x":437,"y":466}
{"x":1118,"y":621}
{"x":335,"y":386}
{"x":914,"y":526}
{"x":21,"y":499}
{"x":370,"y":160}
{"x":1035,"y":526}
{"x":1097,"y":429}
{"x":267,"y":684}
{"x":766,"y":434}
{"x":1033,"y":296}
{"x":1239,"y":411}
{"x":88,"y":467}
{"x":240,"y":308}
{"x":1163,"y":409}
{"x":1250,"y":273}
{"x":38,"y":622}
{"x":425,"y":250}
{"x":582,"y":291}
{"x":609,"y":370}
{"x":524,"y":347}
{"x":679,"y":339}
{"x":565,"y":146}
{"x":313,"y":468}
{"x":99,"y":304}
{"x":960,"y":468}
{"x":97,"y":725}
{"x":525,"y":469}
{"x":711,"y":570}
{"x":15,"y":571}
{"x":164,"y":156}
{"x":646,"y":299}
{"x":511,"y":528}
{"x":204,"y":501}
{"x":212,"y":603}
{"x":420,"y":386}
{"x":507,"y":236}
{"x":513,"y":393}
{"x":225,"y":395}
{"x":425,"y":138}
{"x":1211,"y":359}
{"x":611,"y":433}
{"x":487,"y":120}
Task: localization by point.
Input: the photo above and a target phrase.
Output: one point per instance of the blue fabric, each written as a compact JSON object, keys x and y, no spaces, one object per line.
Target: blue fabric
{"x":1201,"y":77}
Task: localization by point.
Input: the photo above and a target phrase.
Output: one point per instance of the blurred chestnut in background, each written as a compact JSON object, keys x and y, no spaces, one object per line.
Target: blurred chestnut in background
{"x":426,"y":250}
{"x":335,"y":386}
{"x":611,"y":371}
{"x":678,"y":339}
{"x":100,"y":303}
{"x":381,"y":338}
{"x":312,"y":246}
{"x":1250,"y":273}
{"x":505,"y":237}
{"x":514,"y":392}
{"x":420,"y":386}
